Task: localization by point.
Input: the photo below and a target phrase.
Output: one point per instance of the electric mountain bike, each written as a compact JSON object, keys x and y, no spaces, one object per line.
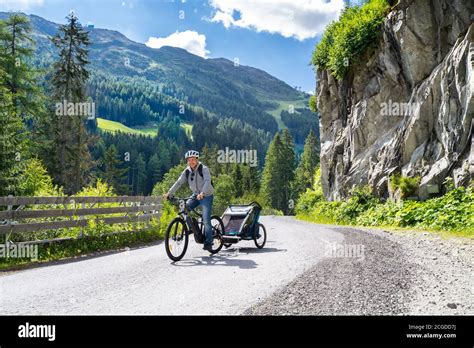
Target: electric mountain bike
{"x":189,"y":221}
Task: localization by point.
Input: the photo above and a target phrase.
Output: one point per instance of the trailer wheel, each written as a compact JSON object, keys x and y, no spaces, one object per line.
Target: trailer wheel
{"x":260,"y":237}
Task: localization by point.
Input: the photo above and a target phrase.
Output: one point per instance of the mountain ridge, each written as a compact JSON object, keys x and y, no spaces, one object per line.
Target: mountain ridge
{"x":217,"y":85}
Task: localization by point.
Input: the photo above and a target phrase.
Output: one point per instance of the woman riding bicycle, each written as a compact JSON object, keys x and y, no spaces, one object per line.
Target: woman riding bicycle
{"x":198,"y":177}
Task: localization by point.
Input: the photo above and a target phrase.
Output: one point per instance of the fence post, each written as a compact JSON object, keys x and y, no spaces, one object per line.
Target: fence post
{"x":81,"y":217}
{"x":9,"y":222}
{"x":146,"y":211}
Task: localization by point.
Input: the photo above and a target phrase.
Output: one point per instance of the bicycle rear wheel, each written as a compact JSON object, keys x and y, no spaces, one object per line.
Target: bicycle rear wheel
{"x":176,"y":239}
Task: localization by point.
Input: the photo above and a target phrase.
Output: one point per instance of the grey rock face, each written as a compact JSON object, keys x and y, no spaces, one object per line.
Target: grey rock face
{"x":406,"y":106}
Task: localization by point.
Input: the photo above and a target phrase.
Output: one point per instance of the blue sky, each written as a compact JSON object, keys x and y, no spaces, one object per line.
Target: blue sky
{"x":277,"y":36}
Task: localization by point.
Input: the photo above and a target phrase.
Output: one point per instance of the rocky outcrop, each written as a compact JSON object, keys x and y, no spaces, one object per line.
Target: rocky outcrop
{"x":406,"y":106}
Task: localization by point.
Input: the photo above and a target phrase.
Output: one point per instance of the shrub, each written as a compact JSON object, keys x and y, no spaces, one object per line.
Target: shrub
{"x":253,"y":197}
{"x":169,"y":212}
{"x":379,"y":215}
{"x":313,"y":103}
{"x":452,"y":212}
{"x":326,"y":212}
{"x":223,"y":193}
{"x":34,"y":179}
{"x":408,"y":214}
{"x":344,"y":41}
{"x":249,"y":197}
{"x":271,"y":211}
{"x":407,"y":186}
{"x":361,"y":199}
{"x":99,"y":189}
{"x":307,"y":201}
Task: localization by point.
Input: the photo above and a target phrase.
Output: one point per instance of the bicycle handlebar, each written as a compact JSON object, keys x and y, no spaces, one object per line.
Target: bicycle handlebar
{"x":173,"y":198}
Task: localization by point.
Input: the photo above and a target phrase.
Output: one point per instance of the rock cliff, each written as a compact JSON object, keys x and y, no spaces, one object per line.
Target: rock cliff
{"x":406,"y":106}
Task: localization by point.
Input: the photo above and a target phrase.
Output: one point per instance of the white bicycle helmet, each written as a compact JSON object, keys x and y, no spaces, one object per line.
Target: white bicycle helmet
{"x":191,"y":153}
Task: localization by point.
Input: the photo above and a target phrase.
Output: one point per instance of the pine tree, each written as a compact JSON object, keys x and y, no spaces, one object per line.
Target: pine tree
{"x":278,"y":172}
{"x":72,"y":139}
{"x":205,"y":156}
{"x":20,"y":79}
{"x":139,"y":170}
{"x":10,"y":126}
{"x":271,"y":181}
{"x":237,"y":180}
{"x":209,"y":158}
{"x":251,"y":178}
{"x":304,"y":177}
{"x":154,"y":172}
{"x":164,"y":151}
{"x":287,"y":169}
{"x":255,"y":176}
{"x":20,"y":99}
{"x":112,"y":174}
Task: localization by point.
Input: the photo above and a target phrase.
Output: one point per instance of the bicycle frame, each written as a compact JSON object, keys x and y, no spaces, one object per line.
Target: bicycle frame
{"x":184,"y":213}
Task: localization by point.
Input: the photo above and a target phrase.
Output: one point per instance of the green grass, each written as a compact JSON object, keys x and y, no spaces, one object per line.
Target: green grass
{"x":87,"y":245}
{"x":113,"y":126}
{"x":188,"y":128}
{"x":150,"y":130}
{"x":146,"y":130}
{"x":285,"y":105}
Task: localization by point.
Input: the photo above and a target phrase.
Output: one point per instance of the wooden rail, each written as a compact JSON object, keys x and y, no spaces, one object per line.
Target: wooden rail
{"x":143,"y":208}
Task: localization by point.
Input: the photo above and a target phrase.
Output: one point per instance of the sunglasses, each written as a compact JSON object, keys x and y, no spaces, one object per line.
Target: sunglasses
{"x":192,"y":176}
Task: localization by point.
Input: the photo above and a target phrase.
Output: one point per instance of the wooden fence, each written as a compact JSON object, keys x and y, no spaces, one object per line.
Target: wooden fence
{"x":74,"y":211}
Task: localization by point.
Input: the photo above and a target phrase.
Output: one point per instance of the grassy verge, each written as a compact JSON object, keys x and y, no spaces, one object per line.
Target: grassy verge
{"x":59,"y":250}
{"x":452,"y":213}
{"x":469,"y":234}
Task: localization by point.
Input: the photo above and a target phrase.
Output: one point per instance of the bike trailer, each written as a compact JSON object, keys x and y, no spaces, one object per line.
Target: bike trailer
{"x":240,"y":222}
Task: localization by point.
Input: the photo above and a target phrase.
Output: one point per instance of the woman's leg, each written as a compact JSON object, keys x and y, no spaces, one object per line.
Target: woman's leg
{"x":192,"y":203}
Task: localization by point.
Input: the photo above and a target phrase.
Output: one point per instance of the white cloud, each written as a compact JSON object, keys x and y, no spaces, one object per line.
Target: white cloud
{"x":190,"y":40}
{"x":19,"y":5}
{"x":301,"y":19}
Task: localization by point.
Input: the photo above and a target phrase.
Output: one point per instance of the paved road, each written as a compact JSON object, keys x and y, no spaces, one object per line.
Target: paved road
{"x":145,"y":281}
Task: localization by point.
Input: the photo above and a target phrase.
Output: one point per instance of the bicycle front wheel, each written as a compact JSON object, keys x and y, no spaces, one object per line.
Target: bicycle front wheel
{"x":217,"y":232}
{"x":176,"y":239}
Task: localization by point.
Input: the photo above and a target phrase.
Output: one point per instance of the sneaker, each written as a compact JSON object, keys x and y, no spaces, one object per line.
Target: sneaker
{"x":208,"y":247}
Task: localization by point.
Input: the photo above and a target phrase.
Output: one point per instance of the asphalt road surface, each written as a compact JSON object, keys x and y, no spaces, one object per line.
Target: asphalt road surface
{"x":145,"y":281}
{"x":239,"y":280}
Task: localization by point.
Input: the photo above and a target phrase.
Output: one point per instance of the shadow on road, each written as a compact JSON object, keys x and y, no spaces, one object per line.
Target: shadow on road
{"x":250,"y":250}
{"x":227,"y":258}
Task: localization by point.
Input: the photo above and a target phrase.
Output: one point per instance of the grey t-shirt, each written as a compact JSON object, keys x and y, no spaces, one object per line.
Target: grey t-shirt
{"x":196,"y":183}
